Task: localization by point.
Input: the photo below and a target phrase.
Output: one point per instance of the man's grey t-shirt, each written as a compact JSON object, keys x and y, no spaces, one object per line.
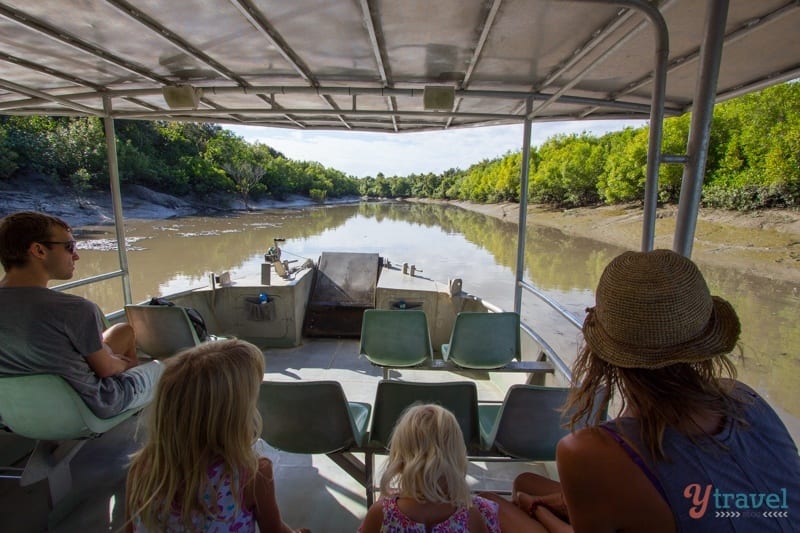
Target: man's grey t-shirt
{"x":47,"y":332}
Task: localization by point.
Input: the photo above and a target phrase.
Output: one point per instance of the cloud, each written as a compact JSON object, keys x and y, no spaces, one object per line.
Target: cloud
{"x":363,"y":154}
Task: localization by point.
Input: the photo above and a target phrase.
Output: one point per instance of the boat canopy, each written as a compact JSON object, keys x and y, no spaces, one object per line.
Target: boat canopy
{"x":400,"y":66}
{"x":380,"y":65}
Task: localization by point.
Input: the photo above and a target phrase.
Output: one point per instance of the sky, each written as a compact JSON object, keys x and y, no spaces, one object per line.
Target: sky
{"x":362,"y":154}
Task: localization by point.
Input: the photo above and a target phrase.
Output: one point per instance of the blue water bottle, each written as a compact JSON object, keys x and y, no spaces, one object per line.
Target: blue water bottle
{"x":262,"y":298}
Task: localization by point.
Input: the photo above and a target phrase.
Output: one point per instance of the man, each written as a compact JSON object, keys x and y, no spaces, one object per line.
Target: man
{"x":48,"y":332}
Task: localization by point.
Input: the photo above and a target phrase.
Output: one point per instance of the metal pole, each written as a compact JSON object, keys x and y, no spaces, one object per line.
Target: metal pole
{"x":523,"y":204}
{"x":656,"y":132}
{"x":116,"y":197}
{"x":700,"y":130}
{"x":656,"y":111}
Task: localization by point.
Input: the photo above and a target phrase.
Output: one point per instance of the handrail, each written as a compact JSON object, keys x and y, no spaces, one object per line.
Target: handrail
{"x":558,"y":363}
{"x":552,"y":303}
{"x":87,"y":281}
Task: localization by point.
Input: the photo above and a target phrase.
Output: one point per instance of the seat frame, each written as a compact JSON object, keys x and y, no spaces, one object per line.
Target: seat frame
{"x":165,"y":330}
{"x":27,"y":404}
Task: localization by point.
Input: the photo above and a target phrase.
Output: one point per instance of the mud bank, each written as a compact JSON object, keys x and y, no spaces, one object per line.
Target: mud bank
{"x":763,"y":243}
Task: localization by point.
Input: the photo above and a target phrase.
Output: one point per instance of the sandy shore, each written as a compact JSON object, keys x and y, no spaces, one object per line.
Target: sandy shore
{"x":764,"y":243}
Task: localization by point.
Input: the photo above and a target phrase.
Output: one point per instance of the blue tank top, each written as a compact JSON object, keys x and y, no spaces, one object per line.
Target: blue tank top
{"x":753,"y":485}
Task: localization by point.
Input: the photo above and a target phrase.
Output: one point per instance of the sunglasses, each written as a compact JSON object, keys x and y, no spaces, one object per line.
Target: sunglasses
{"x":69,"y":246}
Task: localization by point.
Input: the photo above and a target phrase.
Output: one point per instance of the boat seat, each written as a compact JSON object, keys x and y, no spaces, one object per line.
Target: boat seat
{"x":47,"y":409}
{"x":483,"y":341}
{"x":161,"y":331}
{"x":393,"y":338}
{"x":528,"y":424}
{"x":393,"y":397}
{"x":311,"y":417}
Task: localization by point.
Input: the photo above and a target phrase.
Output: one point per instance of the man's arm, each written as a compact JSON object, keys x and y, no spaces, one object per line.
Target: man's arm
{"x":118,"y":353}
{"x":105,"y":363}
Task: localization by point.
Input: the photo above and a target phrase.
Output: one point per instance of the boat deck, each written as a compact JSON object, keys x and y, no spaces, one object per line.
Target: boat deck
{"x":312,"y":491}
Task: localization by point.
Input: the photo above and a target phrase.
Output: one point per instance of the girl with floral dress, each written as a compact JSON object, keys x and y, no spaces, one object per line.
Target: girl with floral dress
{"x":424,"y":484}
{"x":198,"y":470}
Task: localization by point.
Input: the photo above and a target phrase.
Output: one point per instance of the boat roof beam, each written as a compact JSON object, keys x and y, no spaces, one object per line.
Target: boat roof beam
{"x":60,"y":35}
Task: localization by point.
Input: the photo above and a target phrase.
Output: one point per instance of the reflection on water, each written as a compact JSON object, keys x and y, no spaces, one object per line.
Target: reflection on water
{"x":443,"y":242}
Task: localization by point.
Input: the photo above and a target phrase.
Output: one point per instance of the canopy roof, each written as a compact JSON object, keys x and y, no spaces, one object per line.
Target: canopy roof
{"x":363,"y":64}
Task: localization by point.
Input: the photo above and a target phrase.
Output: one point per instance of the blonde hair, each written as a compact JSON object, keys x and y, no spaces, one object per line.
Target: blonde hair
{"x":427,"y":458}
{"x":205,"y":408}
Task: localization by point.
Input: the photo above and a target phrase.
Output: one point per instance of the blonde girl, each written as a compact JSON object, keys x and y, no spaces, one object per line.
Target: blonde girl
{"x":424,"y":486}
{"x":198,"y":470}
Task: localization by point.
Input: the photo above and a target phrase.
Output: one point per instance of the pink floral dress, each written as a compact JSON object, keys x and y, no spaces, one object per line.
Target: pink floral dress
{"x":222,"y":515}
{"x":394,"y":521}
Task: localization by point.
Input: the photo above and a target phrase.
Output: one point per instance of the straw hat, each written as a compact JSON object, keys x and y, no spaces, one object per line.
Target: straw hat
{"x":654,"y":309}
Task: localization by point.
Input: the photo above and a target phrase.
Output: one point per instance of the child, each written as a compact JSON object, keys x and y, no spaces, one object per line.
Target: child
{"x":424,"y":486}
{"x":198,"y":470}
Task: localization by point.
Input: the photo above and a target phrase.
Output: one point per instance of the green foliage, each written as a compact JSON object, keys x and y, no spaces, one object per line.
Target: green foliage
{"x":172,"y":157}
{"x":568,"y":170}
{"x":8,"y":157}
{"x":625,"y":168}
{"x":753,"y":161}
{"x":318,"y":195}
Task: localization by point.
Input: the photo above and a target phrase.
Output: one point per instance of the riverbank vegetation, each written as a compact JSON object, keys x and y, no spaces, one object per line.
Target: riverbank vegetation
{"x":753,"y":161}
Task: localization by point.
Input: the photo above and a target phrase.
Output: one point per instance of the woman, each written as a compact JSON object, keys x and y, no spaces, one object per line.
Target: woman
{"x":692,"y":449}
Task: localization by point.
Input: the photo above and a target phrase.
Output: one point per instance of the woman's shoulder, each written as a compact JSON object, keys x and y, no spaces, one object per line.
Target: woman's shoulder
{"x":590,"y":441}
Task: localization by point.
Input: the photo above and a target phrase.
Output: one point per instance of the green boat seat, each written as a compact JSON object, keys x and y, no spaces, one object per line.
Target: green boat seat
{"x":527,"y":425}
{"x":483,"y":341}
{"x":161,"y":331}
{"x":47,"y":409}
{"x":393,"y":397}
{"x":311,"y":417}
{"x":392,"y":338}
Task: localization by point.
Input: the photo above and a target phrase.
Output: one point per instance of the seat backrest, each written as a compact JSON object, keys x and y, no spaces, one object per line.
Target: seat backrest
{"x":393,"y":397}
{"x":530,"y":423}
{"x":395,"y":338}
{"x":161,"y":331}
{"x":484,"y":340}
{"x":306,"y":416}
{"x":45,"y":407}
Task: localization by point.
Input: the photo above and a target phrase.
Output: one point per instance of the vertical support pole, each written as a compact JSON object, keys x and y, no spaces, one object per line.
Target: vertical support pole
{"x":700,"y":130}
{"x":523,"y":204}
{"x":661,"y":33}
{"x":116,"y":197}
{"x":656,"y":131}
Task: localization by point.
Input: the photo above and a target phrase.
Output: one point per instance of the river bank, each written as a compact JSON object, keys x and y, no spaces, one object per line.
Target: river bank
{"x":763,"y":243}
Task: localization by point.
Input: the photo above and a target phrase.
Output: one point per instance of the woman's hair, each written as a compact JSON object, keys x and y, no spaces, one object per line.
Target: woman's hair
{"x":663,"y":397}
{"x":427,"y":458}
{"x":205,"y":409}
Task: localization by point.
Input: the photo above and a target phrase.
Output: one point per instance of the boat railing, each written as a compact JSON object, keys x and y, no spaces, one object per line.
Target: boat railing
{"x":89,"y":280}
{"x":572,"y":319}
{"x":558,"y":363}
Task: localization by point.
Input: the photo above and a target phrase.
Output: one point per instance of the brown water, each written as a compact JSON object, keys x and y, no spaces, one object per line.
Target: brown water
{"x":443,"y":242}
